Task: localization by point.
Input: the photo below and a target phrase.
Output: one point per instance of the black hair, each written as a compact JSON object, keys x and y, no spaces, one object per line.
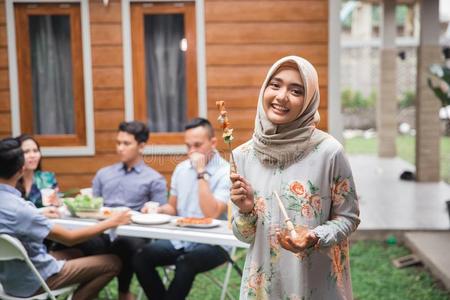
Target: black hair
{"x":20,"y":186}
{"x":137,"y":129}
{"x":11,"y":157}
{"x":25,"y":137}
{"x":200,"y":122}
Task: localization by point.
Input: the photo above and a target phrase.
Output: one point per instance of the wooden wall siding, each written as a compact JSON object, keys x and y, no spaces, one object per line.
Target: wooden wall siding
{"x":244,"y":38}
{"x":5,"y":107}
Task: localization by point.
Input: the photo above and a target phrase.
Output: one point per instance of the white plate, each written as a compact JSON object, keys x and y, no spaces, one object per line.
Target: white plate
{"x":214,"y":223}
{"x":150,"y":219}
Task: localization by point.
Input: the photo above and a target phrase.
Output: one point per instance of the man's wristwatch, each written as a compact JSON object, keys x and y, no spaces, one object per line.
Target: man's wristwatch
{"x":203,"y":175}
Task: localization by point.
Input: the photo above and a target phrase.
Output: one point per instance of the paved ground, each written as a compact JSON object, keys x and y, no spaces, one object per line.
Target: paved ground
{"x":388,"y":203}
{"x":433,"y":248}
{"x":393,"y":206}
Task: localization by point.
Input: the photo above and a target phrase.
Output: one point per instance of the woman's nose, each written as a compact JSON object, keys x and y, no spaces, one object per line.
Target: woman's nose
{"x":281,"y":95}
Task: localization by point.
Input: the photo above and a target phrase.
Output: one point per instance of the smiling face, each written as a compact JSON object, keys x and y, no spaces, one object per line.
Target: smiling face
{"x":31,"y":154}
{"x":284,"y":96}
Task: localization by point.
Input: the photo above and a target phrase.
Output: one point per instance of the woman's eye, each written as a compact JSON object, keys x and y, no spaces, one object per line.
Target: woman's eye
{"x":274,"y":85}
{"x":297,"y":92}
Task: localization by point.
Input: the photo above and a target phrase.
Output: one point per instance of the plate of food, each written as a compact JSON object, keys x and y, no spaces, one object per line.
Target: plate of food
{"x":150,"y":219}
{"x":196,"y":222}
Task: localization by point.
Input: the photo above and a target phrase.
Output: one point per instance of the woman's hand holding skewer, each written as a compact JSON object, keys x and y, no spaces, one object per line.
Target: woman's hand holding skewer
{"x":242,"y":193}
{"x":305,"y":239}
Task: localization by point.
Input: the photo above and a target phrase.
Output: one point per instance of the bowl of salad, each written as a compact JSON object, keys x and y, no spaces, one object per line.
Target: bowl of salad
{"x":84,"y":206}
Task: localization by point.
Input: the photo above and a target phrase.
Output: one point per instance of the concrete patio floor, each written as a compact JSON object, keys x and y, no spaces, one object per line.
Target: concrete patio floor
{"x":388,"y":203}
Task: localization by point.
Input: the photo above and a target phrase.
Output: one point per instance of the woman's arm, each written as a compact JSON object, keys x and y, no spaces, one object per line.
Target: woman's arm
{"x":72,"y":237}
{"x":344,"y":213}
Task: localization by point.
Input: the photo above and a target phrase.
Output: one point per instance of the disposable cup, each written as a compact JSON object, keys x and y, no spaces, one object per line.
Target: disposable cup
{"x":152,"y":207}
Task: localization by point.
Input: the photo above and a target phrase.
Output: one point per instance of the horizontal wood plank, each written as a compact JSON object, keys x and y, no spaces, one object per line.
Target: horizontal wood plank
{"x":105,"y":141}
{"x":164,"y":163}
{"x":3,"y":57}
{"x":111,"y":77}
{"x":5,"y":101}
{"x":106,"y":34}
{"x":74,"y":181}
{"x":108,"y":119}
{"x":108,"y":99}
{"x":236,"y":97}
{"x":2,"y":12}
{"x":267,"y":33}
{"x":268,"y":11}
{"x":78,"y":165}
{"x":245,"y":76}
{"x":99,"y":13}
{"x":107,"y":56}
{"x":3,"y":39}
{"x":4,"y":79}
{"x":5,"y":122}
{"x":262,"y":55}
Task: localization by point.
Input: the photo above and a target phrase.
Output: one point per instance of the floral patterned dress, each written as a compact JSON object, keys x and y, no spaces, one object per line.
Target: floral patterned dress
{"x":317,"y":192}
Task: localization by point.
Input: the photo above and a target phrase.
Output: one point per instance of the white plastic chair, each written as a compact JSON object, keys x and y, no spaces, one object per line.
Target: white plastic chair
{"x":10,"y":249}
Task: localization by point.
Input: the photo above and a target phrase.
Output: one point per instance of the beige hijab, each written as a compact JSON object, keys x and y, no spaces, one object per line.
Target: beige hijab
{"x":282,"y":145}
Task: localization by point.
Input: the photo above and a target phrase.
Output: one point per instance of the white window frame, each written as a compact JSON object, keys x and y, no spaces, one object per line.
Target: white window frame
{"x":128,"y":70}
{"x":89,"y":148}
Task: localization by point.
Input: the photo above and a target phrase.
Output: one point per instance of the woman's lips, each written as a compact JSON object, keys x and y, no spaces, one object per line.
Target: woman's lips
{"x":279,"y":109}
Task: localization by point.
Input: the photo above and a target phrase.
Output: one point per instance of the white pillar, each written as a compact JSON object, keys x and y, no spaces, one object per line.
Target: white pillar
{"x":335,"y":125}
{"x":387,"y":93}
{"x":427,"y":105}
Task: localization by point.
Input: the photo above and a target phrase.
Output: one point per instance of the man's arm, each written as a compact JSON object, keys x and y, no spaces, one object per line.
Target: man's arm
{"x":72,"y":237}
{"x":210,"y":206}
{"x":170,"y":208}
{"x":97,"y":186}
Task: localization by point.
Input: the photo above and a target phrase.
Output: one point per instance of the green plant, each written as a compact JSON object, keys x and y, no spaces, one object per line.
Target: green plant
{"x":408,"y":99}
{"x":439,"y":82}
{"x":355,"y":99}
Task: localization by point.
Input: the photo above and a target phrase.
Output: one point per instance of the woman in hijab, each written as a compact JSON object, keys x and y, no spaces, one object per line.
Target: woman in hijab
{"x":308,"y":169}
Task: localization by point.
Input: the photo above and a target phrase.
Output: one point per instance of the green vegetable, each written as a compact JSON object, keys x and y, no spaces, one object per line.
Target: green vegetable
{"x":83,"y":203}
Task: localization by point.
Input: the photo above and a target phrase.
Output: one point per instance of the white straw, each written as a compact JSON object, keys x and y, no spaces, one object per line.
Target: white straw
{"x":283,"y":210}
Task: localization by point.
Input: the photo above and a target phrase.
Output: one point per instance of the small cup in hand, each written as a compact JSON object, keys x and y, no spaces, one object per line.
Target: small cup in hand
{"x":151,"y":207}
{"x":49,"y":197}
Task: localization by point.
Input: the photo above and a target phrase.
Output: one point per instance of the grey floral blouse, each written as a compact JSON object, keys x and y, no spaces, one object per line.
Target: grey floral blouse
{"x":318,"y":192}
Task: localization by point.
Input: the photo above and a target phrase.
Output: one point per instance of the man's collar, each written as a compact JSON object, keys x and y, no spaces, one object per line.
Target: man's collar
{"x":137,"y":167}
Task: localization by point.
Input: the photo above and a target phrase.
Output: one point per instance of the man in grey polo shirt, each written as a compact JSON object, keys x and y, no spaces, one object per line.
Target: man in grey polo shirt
{"x":129,"y":183}
{"x":200,"y":187}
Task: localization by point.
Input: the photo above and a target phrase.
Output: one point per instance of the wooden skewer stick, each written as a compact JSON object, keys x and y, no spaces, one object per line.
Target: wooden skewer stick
{"x":287,"y":220}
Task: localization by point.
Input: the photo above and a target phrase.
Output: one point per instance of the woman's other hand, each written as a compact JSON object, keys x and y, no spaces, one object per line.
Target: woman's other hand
{"x":305,"y":239}
{"x":241,"y":193}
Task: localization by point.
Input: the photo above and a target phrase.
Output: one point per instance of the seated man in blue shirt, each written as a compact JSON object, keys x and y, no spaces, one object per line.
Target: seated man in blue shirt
{"x":200,"y":187}
{"x":21,"y":219}
{"x":129,"y":183}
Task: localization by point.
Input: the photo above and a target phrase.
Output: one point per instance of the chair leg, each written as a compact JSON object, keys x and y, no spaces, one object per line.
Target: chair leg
{"x":226,"y":281}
